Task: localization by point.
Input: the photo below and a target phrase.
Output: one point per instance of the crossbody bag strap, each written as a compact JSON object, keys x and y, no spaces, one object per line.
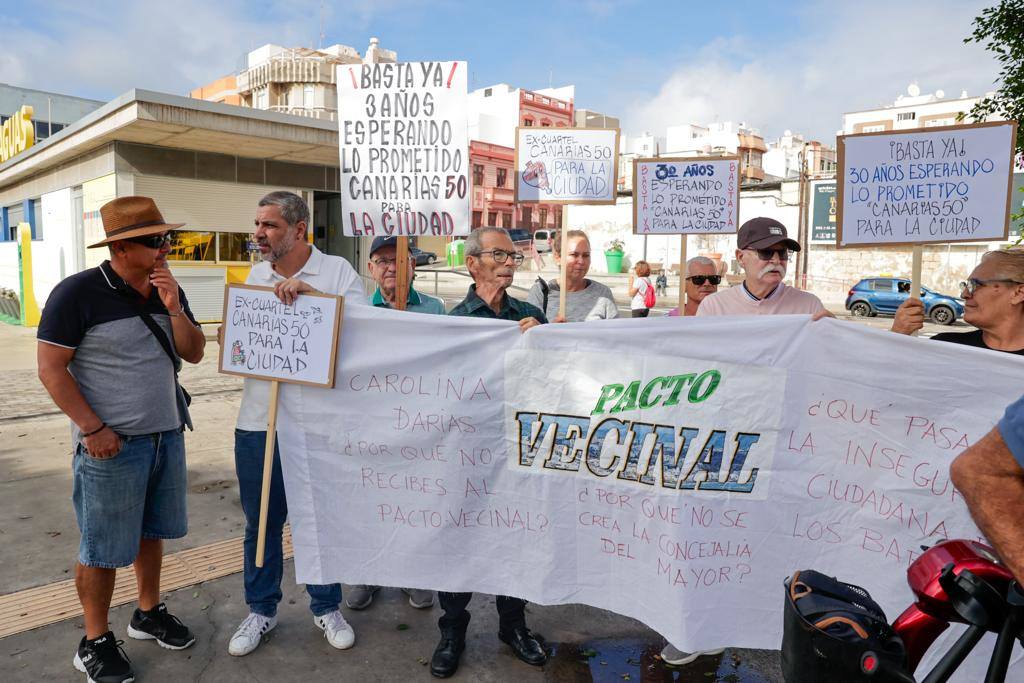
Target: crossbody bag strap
{"x":161,"y":337}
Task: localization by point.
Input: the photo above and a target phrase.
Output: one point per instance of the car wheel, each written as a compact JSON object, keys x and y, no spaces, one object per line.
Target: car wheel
{"x":943,"y":315}
{"x":431,"y":260}
{"x":861,"y":309}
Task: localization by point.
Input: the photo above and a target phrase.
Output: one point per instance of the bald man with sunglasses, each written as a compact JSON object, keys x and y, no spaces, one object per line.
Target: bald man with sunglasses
{"x":763,"y":250}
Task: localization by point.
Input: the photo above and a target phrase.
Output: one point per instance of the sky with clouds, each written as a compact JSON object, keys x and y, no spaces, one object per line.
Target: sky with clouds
{"x":773,"y":65}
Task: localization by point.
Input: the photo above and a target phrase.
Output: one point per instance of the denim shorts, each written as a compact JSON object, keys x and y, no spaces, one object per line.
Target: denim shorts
{"x":139,"y":493}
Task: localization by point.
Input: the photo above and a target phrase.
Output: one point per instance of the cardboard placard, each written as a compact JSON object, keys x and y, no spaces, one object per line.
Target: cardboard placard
{"x":404,"y":148}
{"x":686,"y":195}
{"x":265,"y":339}
{"x":926,"y":185}
{"x":566,"y":165}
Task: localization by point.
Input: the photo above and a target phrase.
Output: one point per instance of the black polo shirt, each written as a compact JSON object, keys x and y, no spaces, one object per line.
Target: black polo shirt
{"x":120,"y":367}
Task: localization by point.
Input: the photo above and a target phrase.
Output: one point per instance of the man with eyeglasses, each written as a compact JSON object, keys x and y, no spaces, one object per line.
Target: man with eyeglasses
{"x":111,"y":341}
{"x":993,"y":303}
{"x":763,"y":250}
{"x":491,"y":259}
{"x":702,"y":279}
{"x":291,"y":265}
{"x":384,"y":271}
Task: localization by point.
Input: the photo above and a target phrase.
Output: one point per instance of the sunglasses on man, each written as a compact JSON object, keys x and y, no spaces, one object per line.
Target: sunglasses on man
{"x":701,"y":279}
{"x":767,"y":254}
{"x":153,"y":241}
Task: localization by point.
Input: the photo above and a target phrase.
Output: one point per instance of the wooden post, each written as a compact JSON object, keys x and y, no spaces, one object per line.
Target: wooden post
{"x":682,"y":275}
{"x":915,"y":273}
{"x":562,"y":277}
{"x":268,"y":468}
{"x":402,"y":279}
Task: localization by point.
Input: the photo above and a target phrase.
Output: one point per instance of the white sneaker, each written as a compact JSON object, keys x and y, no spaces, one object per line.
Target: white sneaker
{"x":676,"y":657}
{"x":250,"y":634}
{"x":337,"y":631}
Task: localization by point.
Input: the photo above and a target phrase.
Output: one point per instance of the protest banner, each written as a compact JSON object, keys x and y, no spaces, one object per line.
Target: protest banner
{"x":925,"y":186}
{"x":265,"y":339}
{"x":679,"y":486}
{"x":566,"y":166}
{"x":404,"y":148}
{"x":686,"y":196}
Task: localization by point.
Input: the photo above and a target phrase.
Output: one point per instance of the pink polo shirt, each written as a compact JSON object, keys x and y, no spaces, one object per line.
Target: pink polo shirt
{"x":739,"y":301}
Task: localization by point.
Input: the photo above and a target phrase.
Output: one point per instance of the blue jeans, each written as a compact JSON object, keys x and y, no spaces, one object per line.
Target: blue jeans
{"x":138,"y":493}
{"x":263,"y":584}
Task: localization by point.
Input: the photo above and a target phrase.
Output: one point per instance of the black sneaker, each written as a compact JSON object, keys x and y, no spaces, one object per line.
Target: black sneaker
{"x":103,"y":661}
{"x":160,"y":625}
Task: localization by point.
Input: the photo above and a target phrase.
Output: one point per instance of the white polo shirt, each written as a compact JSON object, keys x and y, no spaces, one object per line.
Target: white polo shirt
{"x":324,"y":273}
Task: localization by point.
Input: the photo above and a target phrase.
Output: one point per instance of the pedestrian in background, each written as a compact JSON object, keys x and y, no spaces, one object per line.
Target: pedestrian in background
{"x":661,"y":283}
{"x":641,"y":290}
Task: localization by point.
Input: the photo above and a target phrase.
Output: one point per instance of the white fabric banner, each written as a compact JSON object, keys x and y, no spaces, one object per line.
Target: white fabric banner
{"x":674,"y":470}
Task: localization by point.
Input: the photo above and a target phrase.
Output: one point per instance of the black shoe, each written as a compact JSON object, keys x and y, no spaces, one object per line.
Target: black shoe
{"x":524,"y":644}
{"x":103,"y":661}
{"x":445,"y":661}
{"x":160,"y":625}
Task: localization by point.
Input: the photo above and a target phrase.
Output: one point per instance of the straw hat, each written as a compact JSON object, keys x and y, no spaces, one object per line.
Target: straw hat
{"x":126,"y":217}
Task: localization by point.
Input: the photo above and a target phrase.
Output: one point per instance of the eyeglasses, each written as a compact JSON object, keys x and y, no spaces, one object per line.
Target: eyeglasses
{"x":701,"y":279}
{"x":767,"y":254}
{"x":500,"y":256}
{"x":973,"y":283}
{"x":384,"y":262}
{"x":153,"y":241}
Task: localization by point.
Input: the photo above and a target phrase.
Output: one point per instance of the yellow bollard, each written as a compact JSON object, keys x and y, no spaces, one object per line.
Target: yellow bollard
{"x":29,"y":307}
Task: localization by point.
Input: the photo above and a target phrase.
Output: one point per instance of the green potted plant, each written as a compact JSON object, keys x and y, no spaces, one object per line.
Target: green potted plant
{"x":613,"y":253}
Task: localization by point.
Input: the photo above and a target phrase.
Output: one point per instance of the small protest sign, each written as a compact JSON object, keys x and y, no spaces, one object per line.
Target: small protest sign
{"x":567,"y":165}
{"x":933,"y":185}
{"x":266,"y":339}
{"x":686,"y":195}
{"x":404,"y":148}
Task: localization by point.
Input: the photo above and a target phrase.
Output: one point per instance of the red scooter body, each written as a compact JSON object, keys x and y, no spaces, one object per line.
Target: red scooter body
{"x":923,"y":622}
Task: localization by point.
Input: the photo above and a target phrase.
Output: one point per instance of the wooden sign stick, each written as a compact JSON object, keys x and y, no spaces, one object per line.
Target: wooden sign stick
{"x":915,"y":273}
{"x":682,"y":275}
{"x":562,"y":276}
{"x":402,"y":280}
{"x":268,"y":468}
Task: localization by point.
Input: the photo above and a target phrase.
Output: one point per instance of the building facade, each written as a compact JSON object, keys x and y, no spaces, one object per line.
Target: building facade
{"x":784,"y":156}
{"x":300,"y":81}
{"x":909,"y":111}
{"x":206,"y":165}
{"x":717,"y":139}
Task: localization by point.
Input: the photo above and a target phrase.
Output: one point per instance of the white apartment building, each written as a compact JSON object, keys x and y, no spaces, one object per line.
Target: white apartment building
{"x":715,"y":139}
{"x":494,"y":112}
{"x":782,"y":160}
{"x":912,"y":110}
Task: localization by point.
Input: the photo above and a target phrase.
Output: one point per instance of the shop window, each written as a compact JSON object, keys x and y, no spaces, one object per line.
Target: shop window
{"x":492,"y":218}
{"x":527,"y":216}
{"x":501,"y":177}
{"x":37,"y":218}
{"x":543,"y":217}
{"x":190,"y":245}
{"x":506,"y":220}
{"x":235,"y":246}
{"x":15,"y":214}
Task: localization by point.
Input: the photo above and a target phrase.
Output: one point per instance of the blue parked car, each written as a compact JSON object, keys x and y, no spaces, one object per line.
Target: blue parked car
{"x":874,"y":295}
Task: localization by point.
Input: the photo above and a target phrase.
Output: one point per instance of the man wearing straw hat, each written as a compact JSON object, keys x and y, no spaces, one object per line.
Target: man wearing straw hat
{"x":111,"y":341}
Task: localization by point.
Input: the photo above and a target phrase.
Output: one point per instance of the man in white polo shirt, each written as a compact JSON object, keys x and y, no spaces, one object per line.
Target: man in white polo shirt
{"x":763,"y":249}
{"x":291,"y":266}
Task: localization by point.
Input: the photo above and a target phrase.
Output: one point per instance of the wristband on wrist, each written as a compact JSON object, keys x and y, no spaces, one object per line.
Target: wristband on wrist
{"x":103,"y":425}
{"x":181,"y":309}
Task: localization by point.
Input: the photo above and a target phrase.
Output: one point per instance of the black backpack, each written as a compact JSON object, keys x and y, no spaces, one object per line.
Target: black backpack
{"x":835,"y":632}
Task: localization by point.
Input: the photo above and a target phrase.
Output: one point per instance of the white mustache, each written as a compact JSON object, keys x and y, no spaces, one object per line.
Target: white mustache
{"x":772,"y":269}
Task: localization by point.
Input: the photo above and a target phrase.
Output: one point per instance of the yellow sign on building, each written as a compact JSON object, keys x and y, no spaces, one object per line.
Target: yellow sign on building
{"x":17,"y":134}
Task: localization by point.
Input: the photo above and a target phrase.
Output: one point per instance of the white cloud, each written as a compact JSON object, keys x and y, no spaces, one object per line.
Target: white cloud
{"x":843,"y":57}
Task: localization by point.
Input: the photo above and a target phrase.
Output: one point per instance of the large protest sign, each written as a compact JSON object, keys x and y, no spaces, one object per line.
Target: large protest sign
{"x":679,"y":485}
{"x":932,"y":185}
{"x":686,"y":195}
{"x":404,"y":148}
{"x":566,"y":165}
{"x":266,"y":339}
